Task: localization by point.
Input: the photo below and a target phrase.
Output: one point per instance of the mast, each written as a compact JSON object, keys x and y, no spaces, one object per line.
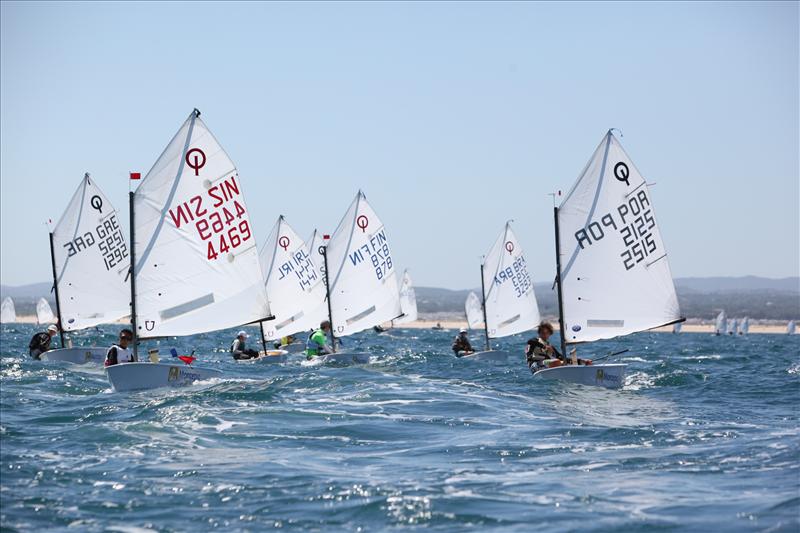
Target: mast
{"x":483,"y":306}
{"x":263,"y":339}
{"x":133,"y":278}
{"x":562,"y":326}
{"x":55,"y":289}
{"x":328,"y":294}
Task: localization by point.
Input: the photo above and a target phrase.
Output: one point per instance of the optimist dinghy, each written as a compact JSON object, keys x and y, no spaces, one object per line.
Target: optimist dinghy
{"x":90,"y":263}
{"x":615,"y":278}
{"x":721,"y":323}
{"x":8,"y":313}
{"x":509,"y":304}
{"x":361,"y":287}
{"x":194,"y":258}
{"x":408,"y":301}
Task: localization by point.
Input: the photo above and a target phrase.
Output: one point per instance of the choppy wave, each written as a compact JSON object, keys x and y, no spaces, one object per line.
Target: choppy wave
{"x":703,"y":436}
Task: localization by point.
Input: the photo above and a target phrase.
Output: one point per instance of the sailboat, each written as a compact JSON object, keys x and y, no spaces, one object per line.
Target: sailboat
{"x":90,"y":263}
{"x":790,"y":328}
{"x":509,"y":303}
{"x":732,"y":326}
{"x":744,"y":326}
{"x":474,"y":311}
{"x":294,"y":286}
{"x":676,"y":327}
{"x":361,"y":281}
{"x":194,"y":259}
{"x":8,"y":314}
{"x":612,"y":273}
{"x":721,"y":323}
{"x":408,"y":301}
{"x":44,"y":313}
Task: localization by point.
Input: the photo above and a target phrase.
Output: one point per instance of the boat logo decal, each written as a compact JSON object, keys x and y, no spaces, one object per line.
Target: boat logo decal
{"x":174,"y":373}
{"x":193,"y":156}
{"x":509,"y":247}
{"x":600,"y":374}
{"x":149,"y":325}
{"x":621,"y":172}
{"x":362,"y":222}
{"x":576,"y":328}
{"x":97,"y":203}
{"x":284,"y":242}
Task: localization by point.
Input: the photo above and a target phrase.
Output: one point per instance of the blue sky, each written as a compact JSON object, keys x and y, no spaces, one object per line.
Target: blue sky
{"x":452,"y":117}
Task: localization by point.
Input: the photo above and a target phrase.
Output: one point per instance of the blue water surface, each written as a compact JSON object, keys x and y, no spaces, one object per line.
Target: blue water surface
{"x":703,"y":437}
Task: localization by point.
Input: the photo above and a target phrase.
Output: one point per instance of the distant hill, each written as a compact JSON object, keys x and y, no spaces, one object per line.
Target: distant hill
{"x":758,"y":298}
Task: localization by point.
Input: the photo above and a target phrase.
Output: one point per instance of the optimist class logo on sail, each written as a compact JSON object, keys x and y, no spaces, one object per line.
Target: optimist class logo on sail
{"x":218,"y":217}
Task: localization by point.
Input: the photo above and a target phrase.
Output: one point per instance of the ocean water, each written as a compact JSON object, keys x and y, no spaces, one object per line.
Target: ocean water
{"x":703,"y":437}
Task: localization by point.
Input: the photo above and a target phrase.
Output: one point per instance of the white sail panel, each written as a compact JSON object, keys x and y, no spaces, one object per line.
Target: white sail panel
{"x":92,"y":260}
{"x":474,"y":310}
{"x":744,"y":326}
{"x":197,"y":267}
{"x":295,"y":288}
{"x":511,"y":305}
{"x":615,"y":274}
{"x":8,"y":313}
{"x":731,"y":327}
{"x":316,"y":247}
{"x":790,"y":327}
{"x":721,"y":324}
{"x":44,"y":313}
{"x":408,"y":300}
{"x":363,"y":279}
{"x":676,"y":328}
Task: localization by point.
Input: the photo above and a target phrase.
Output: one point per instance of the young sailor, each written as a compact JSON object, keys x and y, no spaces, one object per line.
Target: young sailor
{"x":120,"y":352}
{"x":317,"y":343}
{"x":40,"y":342}
{"x":461,"y":345}
{"x":238,"y":348}
{"x":539,"y":353}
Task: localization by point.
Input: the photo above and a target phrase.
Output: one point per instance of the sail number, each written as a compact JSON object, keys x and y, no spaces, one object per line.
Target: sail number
{"x":377,"y":250}
{"x":517,"y":275}
{"x":223,"y":225}
{"x":633,"y":220}
{"x":302,"y":267}
{"x":108,"y":237}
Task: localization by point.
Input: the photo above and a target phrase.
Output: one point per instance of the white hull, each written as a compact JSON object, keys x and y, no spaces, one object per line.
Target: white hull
{"x":77,"y":355}
{"x":611,"y":376}
{"x":271,"y":357}
{"x":139,"y":376}
{"x":345,"y":358}
{"x":501,"y":356}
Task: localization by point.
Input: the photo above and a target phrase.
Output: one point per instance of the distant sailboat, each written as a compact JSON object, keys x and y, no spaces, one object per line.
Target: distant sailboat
{"x":294,"y":285}
{"x":474,"y":311}
{"x":509,"y":304}
{"x":8,"y":314}
{"x":732,"y":326}
{"x":612,"y":273}
{"x":90,"y":263}
{"x":44,"y":313}
{"x":721,"y":325}
{"x":790,"y":328}
{"x":676,"y":327}
{"x":744,"y":326}
{"x":361,"y":280}
{"x":194,"y":258}
{"x":408,"y":301}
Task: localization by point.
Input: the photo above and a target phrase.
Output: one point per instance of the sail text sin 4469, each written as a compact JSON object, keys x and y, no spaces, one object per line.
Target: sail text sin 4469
{"x":219,"y":217}
{"x":633,"y":221}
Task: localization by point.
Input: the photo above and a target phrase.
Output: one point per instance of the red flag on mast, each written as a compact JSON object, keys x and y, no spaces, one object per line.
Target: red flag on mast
{"x":136,"y":175}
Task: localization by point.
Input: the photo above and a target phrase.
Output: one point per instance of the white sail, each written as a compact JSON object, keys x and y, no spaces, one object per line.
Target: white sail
{"x":316,"y":246}
{"x":363,"y":280}
{"x":44,"y":314}
{"x":731,"y":327}
{"x":615,"y":275}
{"x":295,"y":287}
{"x":474,"y":311}
{"x":676,"y":328}
{"x":8,"y":314}
{"x":721,"y":324}
{"x":744,"y":326}
{"x":790,"y":327}
{"x":511,"y":305}
{"x":197,"y":267}
{"x":408,"y":300}
{"x":92,"y":260}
